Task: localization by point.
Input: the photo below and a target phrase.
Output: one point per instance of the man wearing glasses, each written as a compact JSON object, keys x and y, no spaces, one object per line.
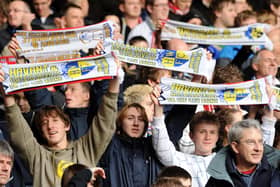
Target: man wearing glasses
{"x":243,"y":162}
{"x":19,"y":18}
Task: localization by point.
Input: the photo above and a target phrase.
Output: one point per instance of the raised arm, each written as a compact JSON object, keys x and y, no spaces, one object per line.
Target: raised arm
{"x":164,"y":148}
{"x":95,"y":142}
{"x":21,"y":136}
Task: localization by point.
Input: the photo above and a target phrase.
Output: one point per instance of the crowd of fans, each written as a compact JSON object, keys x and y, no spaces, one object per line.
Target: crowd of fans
{"x":114,"y":133}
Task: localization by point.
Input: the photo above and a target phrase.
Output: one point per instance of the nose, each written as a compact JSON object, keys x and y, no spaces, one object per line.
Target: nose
{"x":258,"y":146}
{"x":50,"y":125}
{"x":136,"y":122}
{"x":5,"y":167}
{"x":207,"y":136}
{"x":66,"y":92}
{"x":21,"y":102}
{"x":274,"y":62}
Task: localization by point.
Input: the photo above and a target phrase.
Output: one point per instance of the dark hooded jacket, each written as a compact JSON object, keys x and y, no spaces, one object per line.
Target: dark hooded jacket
{"x":130,"y":162}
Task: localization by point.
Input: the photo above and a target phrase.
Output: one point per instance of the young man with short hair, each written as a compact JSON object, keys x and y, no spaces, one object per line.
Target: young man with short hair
{"x":131,"y":10}
{"x":204,"y":132}
{"x":224,"y":13}
{"x":158,"y":10}
{"x":44,"y":14}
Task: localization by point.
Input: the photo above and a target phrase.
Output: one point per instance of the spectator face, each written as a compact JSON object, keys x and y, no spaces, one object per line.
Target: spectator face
{"x":131,"y":8}
{"x":237,"y":116}
{"x":133,"y":123}
{"x":6,"y":164}
{"x":83,"y":4}
{"x":76,"y":96}
{"x":42,"y":7}
{"x":227,"y":15}
{"x":204,"y":136}
{"x":22,"y":102}
{"x":162,"y":73}
{"x":183,"y":4}
{"x":16,"y":13}
{"x":266,"y":65}
{"x":54,"y":131}
{"x":249,"y":149}
{"x":159,"y":10}
{"x":74,"y":18}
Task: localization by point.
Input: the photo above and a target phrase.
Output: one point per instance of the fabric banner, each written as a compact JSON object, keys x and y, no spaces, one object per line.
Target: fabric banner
{"x":248,"y":35}
{"x":52,"y":56}
{"x":277,"y":95}
{"x":63,"y":39}
{"x":184,"y":92}
{"x":194,"y":61}
{"x":22,"y":77}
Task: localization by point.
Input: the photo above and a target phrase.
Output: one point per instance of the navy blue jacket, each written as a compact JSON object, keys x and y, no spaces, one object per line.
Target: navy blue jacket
{"x":130,"y":162}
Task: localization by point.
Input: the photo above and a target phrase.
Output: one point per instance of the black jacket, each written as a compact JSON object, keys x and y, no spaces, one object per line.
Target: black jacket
{"x":130,"y":162}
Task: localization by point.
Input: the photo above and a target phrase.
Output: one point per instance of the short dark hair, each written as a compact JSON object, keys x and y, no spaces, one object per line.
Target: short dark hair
{"x":70,"y":172}
{"x":276,"y":3}
{"x":69,"y":6}
{"x":244,"y":15}
{"x":174,"y":172}
{"x":149,"y":2}
{"x":135,"y":39}
{"x":218,"y":5}
{"x":167,"y":182}
{"x":204,"y":117}
{"x":228,"y":74}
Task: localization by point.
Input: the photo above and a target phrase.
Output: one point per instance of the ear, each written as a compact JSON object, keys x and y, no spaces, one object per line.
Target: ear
{"x":227,"y":127}
{"x":233,"y":146}
{"x":62,"y":22}
{"x":49,"y":2}
{"x":217,"y":13}
{"x":273,"y":8}
{"x":87,"y":96}
{"x":150,"y":9}
{"x":255,"y":67}
{"x":121,"y":7}
{"x":67,"y":127}
{"x":151,"y":82}
{"x":191,"y":135}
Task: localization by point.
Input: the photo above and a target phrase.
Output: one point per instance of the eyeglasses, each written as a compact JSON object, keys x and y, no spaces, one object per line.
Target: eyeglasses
{"x":252,"y":143}
{"x":16,"y":10}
